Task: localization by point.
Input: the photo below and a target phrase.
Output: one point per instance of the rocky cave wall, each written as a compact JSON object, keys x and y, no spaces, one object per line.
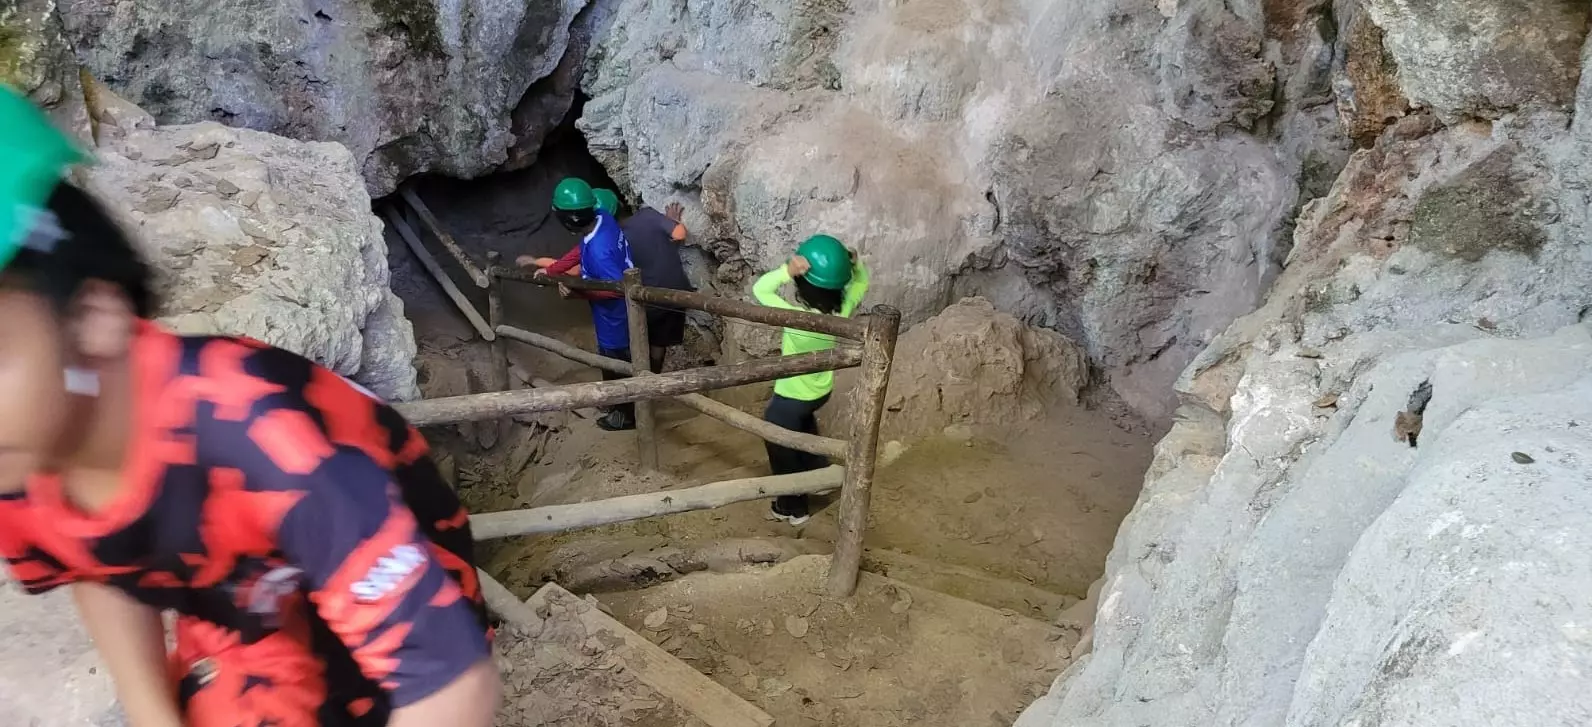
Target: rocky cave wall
{"x":1323,"y":539}
{"x":1122,"y":171}
{"x":409,"y":86}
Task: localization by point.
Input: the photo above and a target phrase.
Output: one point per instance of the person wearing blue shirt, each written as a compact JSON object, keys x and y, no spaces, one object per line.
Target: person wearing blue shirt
{"x":603,"y":254}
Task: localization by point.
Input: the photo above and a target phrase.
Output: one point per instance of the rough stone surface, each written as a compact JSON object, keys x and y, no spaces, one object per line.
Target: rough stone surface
{"x":409,"y":86}
{"x":1483,"y":58}
{"x":972,"y":364}
{"x":263,"y":236}
{"x":1120,"y":171}
{"x":1292,"y":560}
{"x":36,"y":58}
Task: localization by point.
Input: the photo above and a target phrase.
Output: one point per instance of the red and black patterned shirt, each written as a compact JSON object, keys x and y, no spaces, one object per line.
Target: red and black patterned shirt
{"x":257,"y":480}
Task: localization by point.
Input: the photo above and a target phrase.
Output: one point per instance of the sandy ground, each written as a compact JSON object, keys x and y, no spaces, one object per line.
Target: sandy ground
{"x":891,"y":655}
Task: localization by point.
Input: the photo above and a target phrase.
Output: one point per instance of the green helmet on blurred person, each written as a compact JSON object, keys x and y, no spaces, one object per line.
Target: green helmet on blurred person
{"x":34,"y":159}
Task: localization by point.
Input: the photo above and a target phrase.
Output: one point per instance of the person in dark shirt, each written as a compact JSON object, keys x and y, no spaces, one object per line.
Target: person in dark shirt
{"x":320,"y":570}
{"x":655,"y":238}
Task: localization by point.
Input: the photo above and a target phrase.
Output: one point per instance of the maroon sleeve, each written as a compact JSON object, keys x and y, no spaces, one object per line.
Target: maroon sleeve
{"x":569,"y":260}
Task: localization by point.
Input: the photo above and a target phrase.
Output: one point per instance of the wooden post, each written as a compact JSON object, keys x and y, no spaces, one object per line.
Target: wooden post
{"x":641,"y":365}
{"x":867,"y":408}
{"x":437,"y":273}
{"x":490,"y":432}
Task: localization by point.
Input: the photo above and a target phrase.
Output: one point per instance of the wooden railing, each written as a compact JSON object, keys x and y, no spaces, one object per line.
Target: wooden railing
{"x":876,"y":332}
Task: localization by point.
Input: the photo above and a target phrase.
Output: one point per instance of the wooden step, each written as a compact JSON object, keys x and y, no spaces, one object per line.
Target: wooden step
{"x":971,"y":584}
{"x":577,"y":642}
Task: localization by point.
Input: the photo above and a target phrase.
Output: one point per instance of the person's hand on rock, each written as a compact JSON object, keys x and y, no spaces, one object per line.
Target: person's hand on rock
{"x":674,"y":211}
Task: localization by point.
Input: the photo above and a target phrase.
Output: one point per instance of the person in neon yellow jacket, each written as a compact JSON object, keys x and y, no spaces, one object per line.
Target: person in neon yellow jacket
{"x":830,"y":279}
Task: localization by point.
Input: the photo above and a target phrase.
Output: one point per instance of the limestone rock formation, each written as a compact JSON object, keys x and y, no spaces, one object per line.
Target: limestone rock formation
{"x":409,"y":86}
{"x":263,"y":236}
{"x":1120,"y":171}
{"x":1310,"y":549}
{"x":972,"y":364}
{"x":36,"y":58}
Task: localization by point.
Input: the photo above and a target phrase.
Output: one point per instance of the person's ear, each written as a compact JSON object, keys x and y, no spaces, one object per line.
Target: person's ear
{"x":103,"y":321}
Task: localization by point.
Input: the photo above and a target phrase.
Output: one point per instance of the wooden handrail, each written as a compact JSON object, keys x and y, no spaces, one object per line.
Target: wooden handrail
{"x":499,"y":404}
{"x":556,"y":518}
{"x":834,"y":449}
{"x":685,"y":299}
{"x":430,"y":264}
{"x":476,"y":273}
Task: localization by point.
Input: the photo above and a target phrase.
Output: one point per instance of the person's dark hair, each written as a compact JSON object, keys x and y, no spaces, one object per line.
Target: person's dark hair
{"x":819,"y":299}
{"x":576,"y":220}
{"x":92,"y":248}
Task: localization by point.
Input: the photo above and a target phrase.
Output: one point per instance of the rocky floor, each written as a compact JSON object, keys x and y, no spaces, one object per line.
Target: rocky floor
{"x":893,"y":655}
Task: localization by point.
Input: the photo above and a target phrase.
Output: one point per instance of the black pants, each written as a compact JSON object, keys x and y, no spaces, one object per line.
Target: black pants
{"x":799,"y":416}
{"x":655,"y":356}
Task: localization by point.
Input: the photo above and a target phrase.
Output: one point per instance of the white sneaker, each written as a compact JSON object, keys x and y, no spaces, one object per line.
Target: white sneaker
{"x":792,"y":520}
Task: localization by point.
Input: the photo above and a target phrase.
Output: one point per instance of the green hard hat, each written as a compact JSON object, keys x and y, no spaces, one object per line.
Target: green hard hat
{"x":34,"y":155}
{"x":573,"y":194}
{"x":829,"y":262}
{"x":607,"y":201}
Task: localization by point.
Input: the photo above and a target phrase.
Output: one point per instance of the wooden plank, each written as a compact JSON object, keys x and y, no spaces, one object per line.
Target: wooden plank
{"x":499,"y":404}
{"x":477,"y":275}
{"x":867,"y":408}
{"x":556,"y":518}
{"x":834,"y":449}
{"x":689,"y":689}
{"x":437,"y":273}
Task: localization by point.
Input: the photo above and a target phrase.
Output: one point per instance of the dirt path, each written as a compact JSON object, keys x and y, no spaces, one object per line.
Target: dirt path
{"x":1040,"y":506}
{"x":893,"y":655}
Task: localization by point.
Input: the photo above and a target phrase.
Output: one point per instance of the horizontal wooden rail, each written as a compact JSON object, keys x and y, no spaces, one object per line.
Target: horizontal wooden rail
{"x":557,"y":518}
{"x":499,"y":404}
{"x":670,"y":298}
{"x":430,"y":264}
{"x":476,"y":273}
{"x":832,"y":448}
{"x":783,"y":317}
{"x":569,"y":281}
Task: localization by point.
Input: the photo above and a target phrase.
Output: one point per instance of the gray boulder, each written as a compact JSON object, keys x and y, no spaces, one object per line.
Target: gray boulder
{"x":266,"y":237}
{"x":409,"y":86}
{"x":1484,"y":58}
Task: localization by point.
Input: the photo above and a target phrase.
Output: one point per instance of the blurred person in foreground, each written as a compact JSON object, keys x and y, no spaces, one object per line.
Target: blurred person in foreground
{"x":319,"y":569}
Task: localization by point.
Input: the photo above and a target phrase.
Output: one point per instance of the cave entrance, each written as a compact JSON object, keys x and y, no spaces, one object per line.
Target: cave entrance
{"x":983,"y":537}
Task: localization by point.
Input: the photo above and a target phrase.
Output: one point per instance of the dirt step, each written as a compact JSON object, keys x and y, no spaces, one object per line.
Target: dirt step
{"x":893,"y":654}
{"x":968,"y":583}
{"x":580,"y":666}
